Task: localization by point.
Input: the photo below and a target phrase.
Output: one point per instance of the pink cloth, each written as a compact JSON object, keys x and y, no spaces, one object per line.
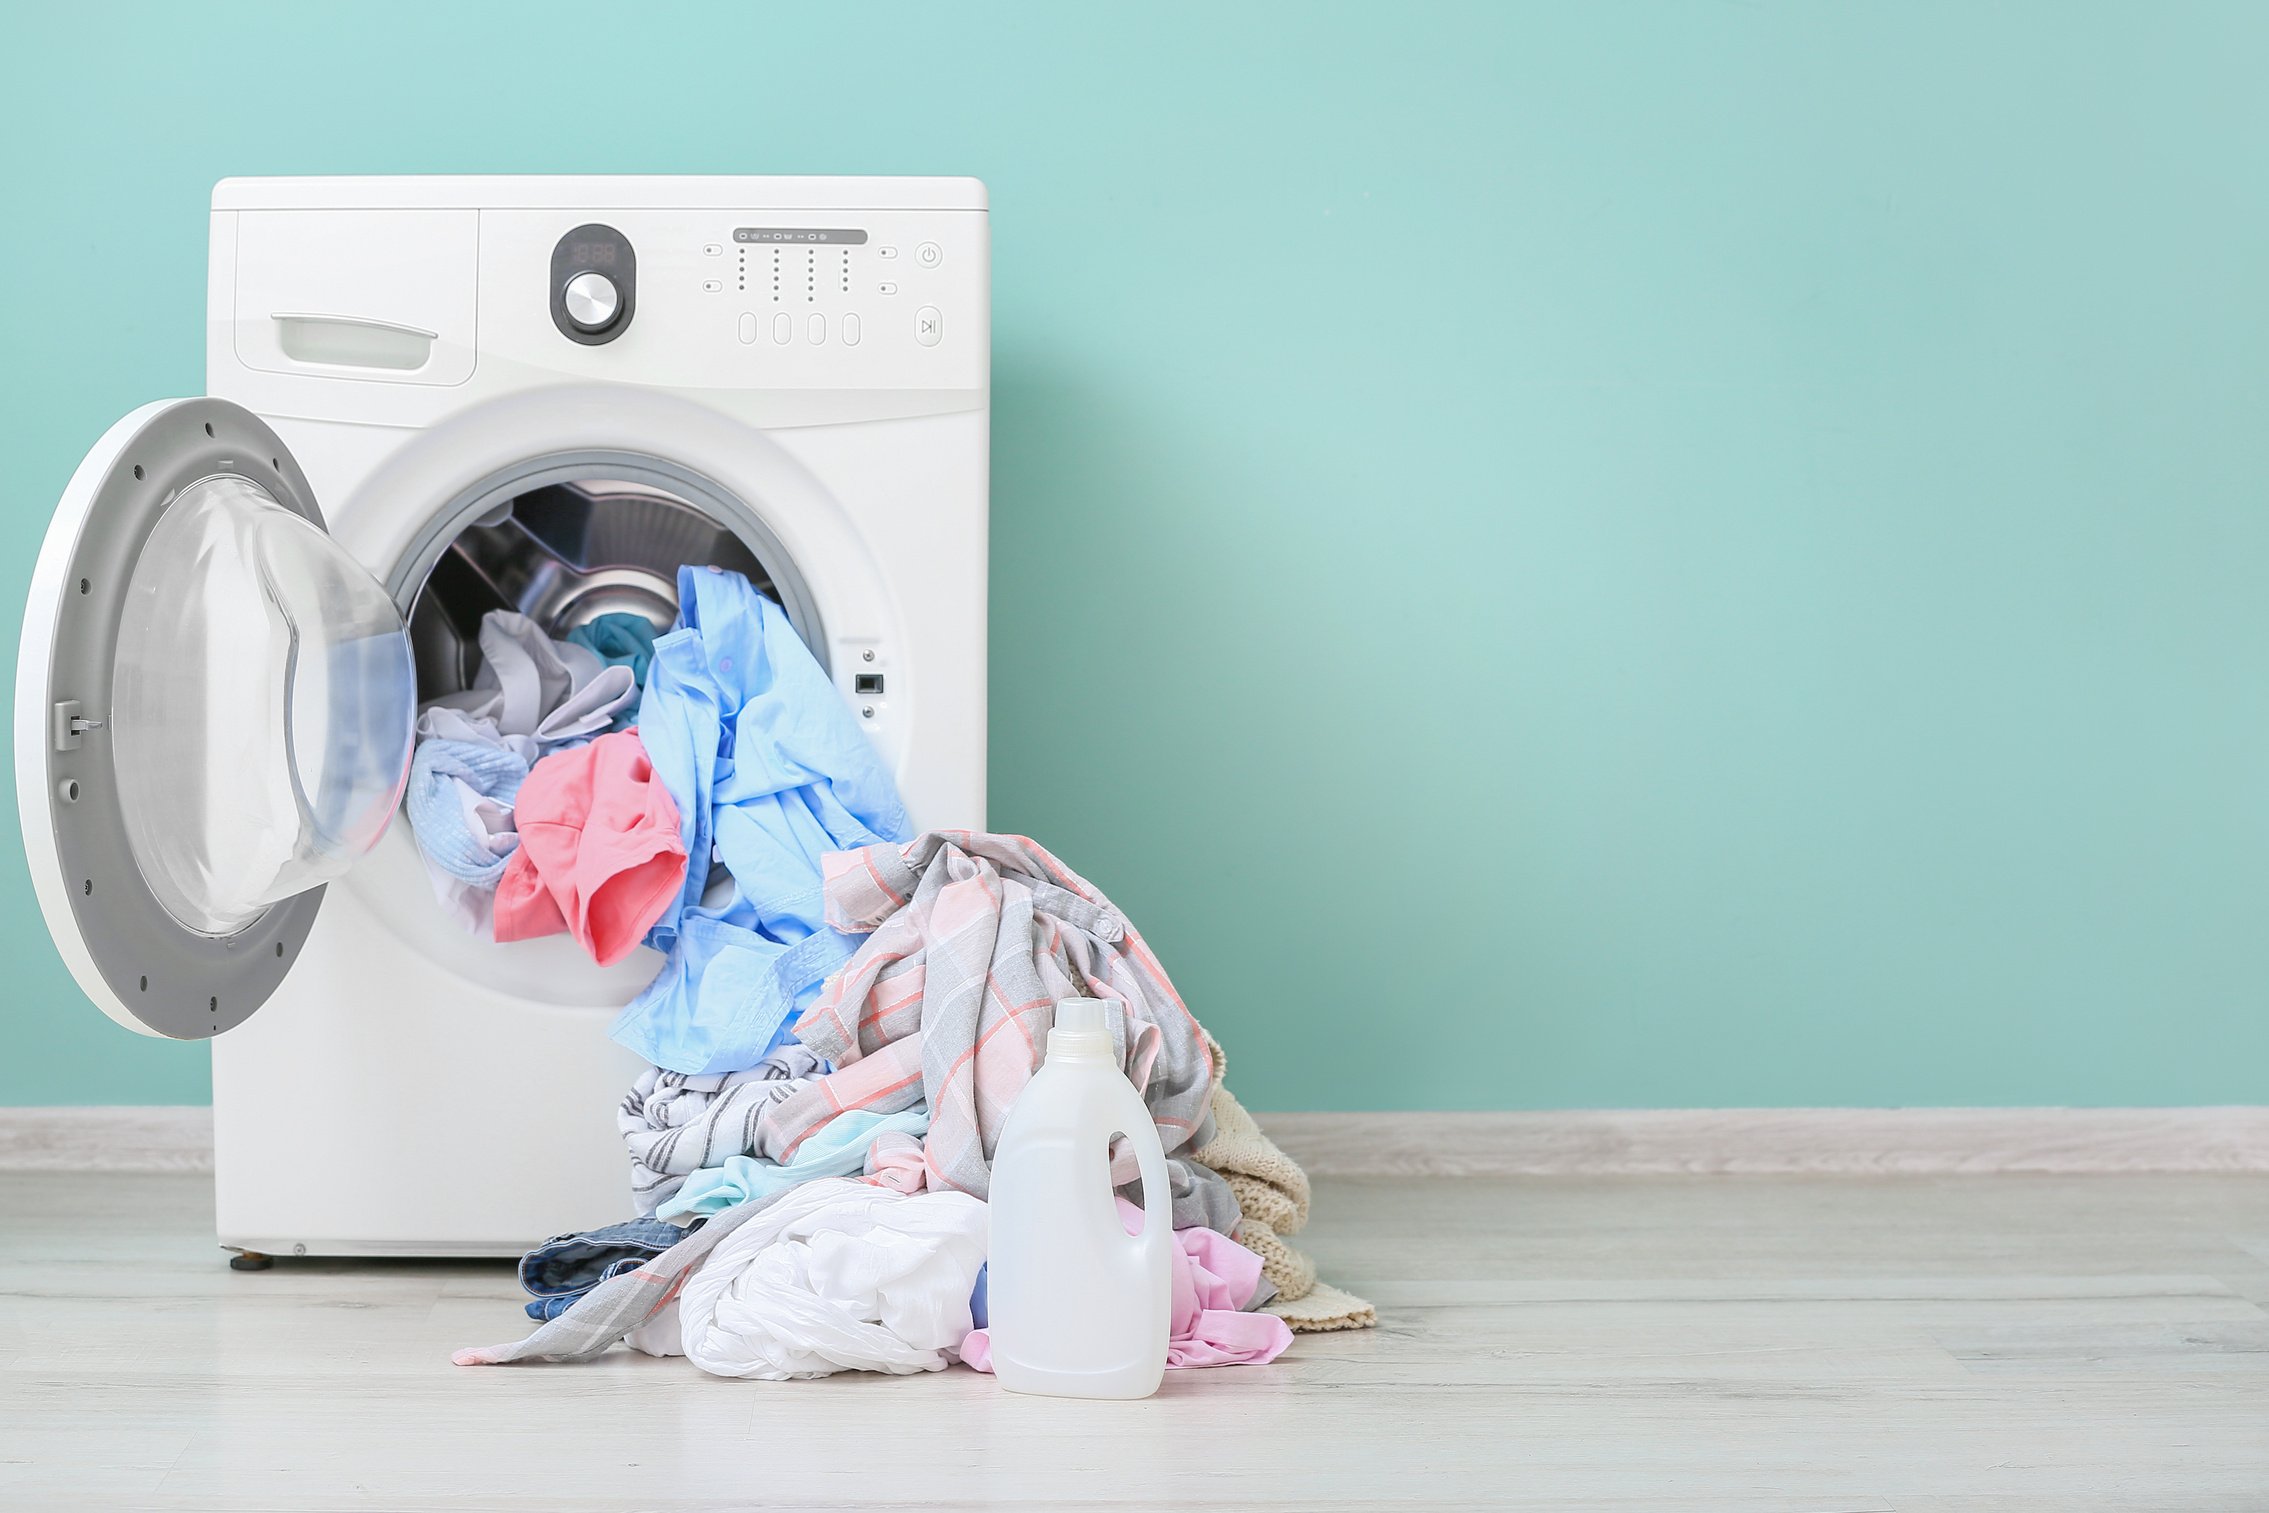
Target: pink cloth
{"x":895,"y":1161}
{"x":1214,"y":1278}
{"x":599,"y":850}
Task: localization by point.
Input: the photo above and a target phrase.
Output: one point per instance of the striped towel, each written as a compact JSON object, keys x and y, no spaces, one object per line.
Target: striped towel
{"x":675,"y":1123}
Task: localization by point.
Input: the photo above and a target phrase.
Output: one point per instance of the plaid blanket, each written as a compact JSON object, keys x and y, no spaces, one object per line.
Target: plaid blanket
{"x":974,"y":939}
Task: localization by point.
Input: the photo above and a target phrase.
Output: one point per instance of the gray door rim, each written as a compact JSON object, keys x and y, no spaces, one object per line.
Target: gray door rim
{"x":174,"y":980}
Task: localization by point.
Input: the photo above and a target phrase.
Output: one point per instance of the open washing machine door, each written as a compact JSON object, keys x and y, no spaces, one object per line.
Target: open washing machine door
{"x":215,"y":706}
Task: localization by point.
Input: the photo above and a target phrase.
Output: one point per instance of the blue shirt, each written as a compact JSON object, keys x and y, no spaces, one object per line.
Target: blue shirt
{"x":770,"y":771}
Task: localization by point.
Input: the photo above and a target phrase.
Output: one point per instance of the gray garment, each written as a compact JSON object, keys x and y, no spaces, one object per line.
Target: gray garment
{"x":675,"y":1123}
{"x":586,"y":713}
{"x":1202,"y":1197}
{"x":524,"y":674}
{"x":606,"y":1313}
{"x":532,"y":694}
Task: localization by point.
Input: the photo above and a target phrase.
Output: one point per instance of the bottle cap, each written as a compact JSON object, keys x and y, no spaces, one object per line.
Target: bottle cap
{"x":1079,"y":1014}
{"x":1080,"y":1031}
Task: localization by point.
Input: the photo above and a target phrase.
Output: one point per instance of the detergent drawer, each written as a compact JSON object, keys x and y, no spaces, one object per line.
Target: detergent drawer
{"x":385,"y":296}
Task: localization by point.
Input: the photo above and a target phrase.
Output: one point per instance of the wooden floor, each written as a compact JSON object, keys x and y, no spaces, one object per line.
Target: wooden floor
{"x":1638,"y":1343}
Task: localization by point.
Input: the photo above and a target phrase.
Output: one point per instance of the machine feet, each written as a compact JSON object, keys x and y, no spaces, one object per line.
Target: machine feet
{"x":250,"y":1260}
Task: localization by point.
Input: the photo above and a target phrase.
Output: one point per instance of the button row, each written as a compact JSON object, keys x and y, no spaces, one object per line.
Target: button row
{"x":815,"y":329}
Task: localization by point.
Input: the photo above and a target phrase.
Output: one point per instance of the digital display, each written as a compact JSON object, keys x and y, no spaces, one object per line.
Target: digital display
{"x":591,"y":254}
{"x":835,"y":235}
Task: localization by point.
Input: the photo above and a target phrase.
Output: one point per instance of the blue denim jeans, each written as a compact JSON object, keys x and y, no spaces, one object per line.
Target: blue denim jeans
{"x":563,"y":1268}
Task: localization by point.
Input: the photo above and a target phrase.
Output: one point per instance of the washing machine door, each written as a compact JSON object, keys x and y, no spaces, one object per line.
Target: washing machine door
{"x":214,"y":712}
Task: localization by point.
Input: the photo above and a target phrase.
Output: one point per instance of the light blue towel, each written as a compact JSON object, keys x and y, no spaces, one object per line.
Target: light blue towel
{"x":439,"y":775}
{"x":770,"y":771}
{"x":837,"y":1148}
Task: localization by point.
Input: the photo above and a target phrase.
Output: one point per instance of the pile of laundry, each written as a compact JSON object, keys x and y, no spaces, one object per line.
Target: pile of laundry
{"x":569,"y":786}
{"x":845,"y":1016}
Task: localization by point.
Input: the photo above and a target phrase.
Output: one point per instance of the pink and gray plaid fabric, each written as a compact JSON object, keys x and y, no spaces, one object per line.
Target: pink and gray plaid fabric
{"x":975,"y":938}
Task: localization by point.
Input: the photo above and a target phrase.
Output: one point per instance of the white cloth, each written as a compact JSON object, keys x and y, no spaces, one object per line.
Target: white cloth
{"x":835,"y":1275}
{"x":659,"y":1335}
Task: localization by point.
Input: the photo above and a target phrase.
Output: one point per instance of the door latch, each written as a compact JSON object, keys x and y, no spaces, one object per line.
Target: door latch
{"x":70,"y":725}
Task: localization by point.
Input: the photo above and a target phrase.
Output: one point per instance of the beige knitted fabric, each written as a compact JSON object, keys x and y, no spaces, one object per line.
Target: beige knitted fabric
{"x":1325,"y":1308}
{"x":1272,"y":1194}
{"x":1293,"y":1273}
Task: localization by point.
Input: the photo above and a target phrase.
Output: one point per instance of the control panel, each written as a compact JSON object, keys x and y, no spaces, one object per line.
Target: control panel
{"x":820,"y":284}
{"x":777,"y":315}
{"x":755,"y":299}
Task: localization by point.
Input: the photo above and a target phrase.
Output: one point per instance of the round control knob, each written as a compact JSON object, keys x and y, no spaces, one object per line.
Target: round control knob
{"x":592,"y":301}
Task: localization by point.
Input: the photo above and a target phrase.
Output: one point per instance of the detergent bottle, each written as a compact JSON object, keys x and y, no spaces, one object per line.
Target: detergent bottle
{"x":1079,"y":1307}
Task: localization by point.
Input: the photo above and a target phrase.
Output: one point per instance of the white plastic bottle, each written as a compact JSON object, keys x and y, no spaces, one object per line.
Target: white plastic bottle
{"x":1079,"y":1307}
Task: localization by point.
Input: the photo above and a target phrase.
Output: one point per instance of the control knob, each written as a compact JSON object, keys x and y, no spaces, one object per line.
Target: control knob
{"x":592,"y":301}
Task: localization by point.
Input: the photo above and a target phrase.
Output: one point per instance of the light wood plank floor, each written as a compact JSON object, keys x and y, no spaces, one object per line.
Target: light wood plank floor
{"x":1967,"y":1344}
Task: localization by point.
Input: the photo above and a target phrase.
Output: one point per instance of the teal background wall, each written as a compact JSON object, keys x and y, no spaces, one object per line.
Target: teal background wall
{"x":1549,"y":555}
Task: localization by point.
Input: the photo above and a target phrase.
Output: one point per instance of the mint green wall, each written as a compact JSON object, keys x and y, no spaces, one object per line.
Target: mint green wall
{"x":1549,"y":555}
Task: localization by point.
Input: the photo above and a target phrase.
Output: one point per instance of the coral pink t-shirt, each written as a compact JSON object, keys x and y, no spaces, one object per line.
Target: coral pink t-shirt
{"x":600,"y":856}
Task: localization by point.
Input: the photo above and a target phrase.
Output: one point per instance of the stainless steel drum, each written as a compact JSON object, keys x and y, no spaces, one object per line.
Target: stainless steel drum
{"x":564,"y":554}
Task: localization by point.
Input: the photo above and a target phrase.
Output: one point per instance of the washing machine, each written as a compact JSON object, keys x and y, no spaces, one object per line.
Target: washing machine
{"x":428,"y":398}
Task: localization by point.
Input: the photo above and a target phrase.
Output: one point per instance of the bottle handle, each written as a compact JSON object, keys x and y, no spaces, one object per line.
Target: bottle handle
{"x":1157,"y":1192}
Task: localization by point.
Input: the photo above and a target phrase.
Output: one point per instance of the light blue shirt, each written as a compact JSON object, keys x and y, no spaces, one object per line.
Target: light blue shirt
{"x":770,"y":771}
{"x":443,"y":775}
{"x":837,"y":1148}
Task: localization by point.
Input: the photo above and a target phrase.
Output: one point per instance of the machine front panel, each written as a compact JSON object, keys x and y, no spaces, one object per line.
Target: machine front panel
{"x":803,"y":316}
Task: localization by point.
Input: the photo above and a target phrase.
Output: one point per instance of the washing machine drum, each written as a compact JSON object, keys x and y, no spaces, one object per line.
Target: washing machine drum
{"x":215,"y":712}
{"x":563,"y":554}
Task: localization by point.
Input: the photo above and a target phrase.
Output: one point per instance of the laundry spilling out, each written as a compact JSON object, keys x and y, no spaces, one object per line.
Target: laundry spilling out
{"x":845,"y":1014}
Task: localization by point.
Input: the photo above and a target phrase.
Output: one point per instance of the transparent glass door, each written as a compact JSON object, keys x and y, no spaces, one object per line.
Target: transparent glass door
{"x":261,"y":707}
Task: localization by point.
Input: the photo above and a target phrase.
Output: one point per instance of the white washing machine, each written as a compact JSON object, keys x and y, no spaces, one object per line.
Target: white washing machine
{"x":427,"y":398}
